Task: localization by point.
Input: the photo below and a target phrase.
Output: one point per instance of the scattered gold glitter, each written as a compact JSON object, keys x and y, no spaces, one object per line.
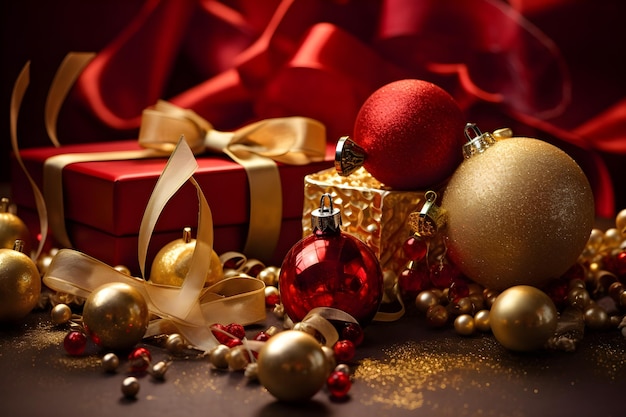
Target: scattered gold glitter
{"x":200,"y":381}
{"x":609,"y":360}
{"x":412,"y":370}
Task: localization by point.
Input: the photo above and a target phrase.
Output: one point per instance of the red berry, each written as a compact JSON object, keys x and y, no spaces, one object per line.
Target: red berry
{"x":353,"y":332}
{"x":338,"y":384}
{"x":415,"y":248}
{"x":344,"y":350}
{"x":236,"y":330}
{"x":233,"y":342}
{"x":218,"y":331}
{"x":413,"y":281}
{"x":139,"y":359}
{"x":272,"y":299}
{"x":458,"y":289}
{"x":262,"y":337}
{"x":75,"y":343}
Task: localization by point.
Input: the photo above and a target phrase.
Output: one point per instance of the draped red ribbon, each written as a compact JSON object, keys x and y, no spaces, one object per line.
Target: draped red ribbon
{"x":250,"y":60}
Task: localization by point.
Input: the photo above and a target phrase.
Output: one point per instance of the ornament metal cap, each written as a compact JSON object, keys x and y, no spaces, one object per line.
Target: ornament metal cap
{"x":326,"y":218}
{"x":430,"y":219}
{"x":477,"y":142}
{"x":348,"y":156}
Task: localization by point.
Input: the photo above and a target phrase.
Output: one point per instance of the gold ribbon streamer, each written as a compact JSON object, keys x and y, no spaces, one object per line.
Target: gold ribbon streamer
{"x":189,"y":308}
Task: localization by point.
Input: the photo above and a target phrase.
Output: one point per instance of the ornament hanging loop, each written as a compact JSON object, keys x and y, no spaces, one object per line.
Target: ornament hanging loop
{"x":430,"y":218}
{"x":326,"y":218}
{"x":477,"y":142}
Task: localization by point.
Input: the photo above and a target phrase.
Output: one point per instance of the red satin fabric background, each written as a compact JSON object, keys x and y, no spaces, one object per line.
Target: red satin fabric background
{"x":548,"y":69}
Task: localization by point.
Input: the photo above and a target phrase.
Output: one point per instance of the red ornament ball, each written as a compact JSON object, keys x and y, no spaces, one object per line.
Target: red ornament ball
{"x":412,"y":134}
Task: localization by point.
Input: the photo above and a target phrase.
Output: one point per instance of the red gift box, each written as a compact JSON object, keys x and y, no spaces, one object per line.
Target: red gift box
{"x":105,"y":201}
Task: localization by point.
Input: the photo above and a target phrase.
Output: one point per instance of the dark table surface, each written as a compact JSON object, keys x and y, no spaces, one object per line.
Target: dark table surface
{"x":402,"y":368}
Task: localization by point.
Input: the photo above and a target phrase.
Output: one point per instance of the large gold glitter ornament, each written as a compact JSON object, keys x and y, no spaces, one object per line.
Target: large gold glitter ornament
{"x":292,"y":366}
{"x":12,"y":228}
{"x":115,"y":316}
{"x":519,"y":211}
{"x":20,"y":283}
{"x":172,"y":262}
{"x":523,"y":318}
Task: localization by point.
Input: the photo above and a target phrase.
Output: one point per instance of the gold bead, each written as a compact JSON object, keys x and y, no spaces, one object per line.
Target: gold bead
{"x":620,"y":222}
{"x":130,"y":387}
{"x":464,"y":325}
{"x":425,"y":300}
{"x":464,"y":306}
{"x":612,"y":238}
{"x":595,"y":238}
{"x":175,"y":343}
{"x":61,"y":314}
{"x":481,"y":321}
{"x":437,"y":315}
{"x":218,"y":356}
{"x":238,"y":358}
{"x":596,"y":318}
{"x":110,"y":362}
{"x":269,"y":275}
{"x":292,"y":366}
{"x":159,"y":369}
{"x":116,"y":316}
{"x":622,"y":299}
{"x":578,"y":298}
{"x":123,"y":269}
{"x":523,"y":318}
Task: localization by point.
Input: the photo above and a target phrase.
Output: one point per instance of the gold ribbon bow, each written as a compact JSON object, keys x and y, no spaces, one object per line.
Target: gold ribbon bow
{"x":257,"y":147}
{"x":191,"y":308}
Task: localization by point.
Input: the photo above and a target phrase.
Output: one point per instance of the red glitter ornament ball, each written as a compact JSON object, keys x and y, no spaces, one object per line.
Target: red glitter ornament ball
{"x":412,"y":134}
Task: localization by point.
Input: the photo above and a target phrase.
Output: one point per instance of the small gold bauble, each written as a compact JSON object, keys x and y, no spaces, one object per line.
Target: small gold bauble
{"x":12,"y":228}
{"x":519,"y":212}
{"x":60,"y":314}
{"x":20,"y":284}
{"x":523,"y":318}
{"x":481,"y":320}
{"x":292,"y":366}
{"x":116,"y":316}
{"x":172,"y":262}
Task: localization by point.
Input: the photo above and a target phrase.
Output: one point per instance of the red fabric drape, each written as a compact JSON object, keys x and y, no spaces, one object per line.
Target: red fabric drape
{"x":242,"y":60}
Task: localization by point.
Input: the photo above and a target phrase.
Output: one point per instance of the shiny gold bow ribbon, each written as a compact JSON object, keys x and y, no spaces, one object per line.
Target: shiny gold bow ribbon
{"x":257,"y":147}
{"x":190,"y":308}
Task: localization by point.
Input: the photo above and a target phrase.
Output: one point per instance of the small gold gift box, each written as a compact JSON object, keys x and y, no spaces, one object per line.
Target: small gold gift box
{"x":370,"y":211}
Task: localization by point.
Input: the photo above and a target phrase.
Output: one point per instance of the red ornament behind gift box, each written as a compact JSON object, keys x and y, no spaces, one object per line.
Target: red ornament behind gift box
{"x":409,"y":133}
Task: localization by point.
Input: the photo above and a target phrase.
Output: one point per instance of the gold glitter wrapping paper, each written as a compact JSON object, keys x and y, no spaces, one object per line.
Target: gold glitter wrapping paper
{"x":375,"y":214}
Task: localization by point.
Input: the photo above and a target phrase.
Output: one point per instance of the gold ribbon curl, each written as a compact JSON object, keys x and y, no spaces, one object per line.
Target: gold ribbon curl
{"x":191,"y":308}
